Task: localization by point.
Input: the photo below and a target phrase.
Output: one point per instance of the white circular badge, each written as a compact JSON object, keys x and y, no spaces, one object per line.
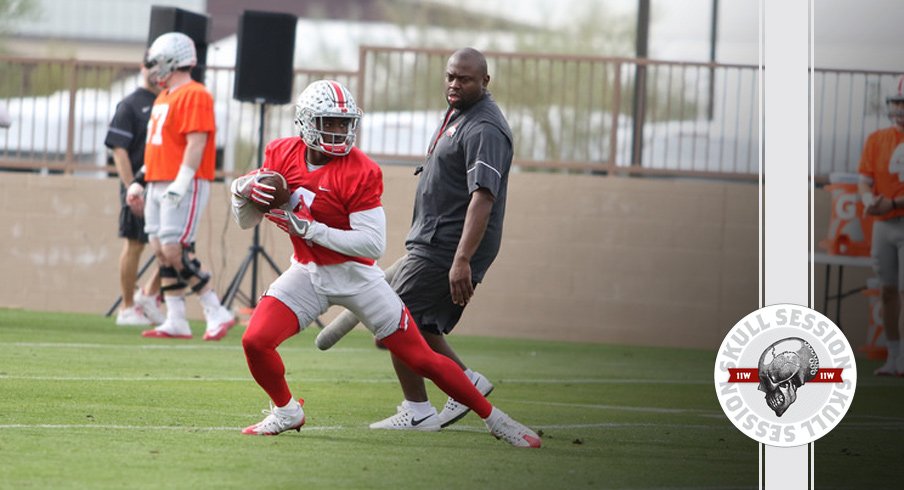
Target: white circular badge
{"x":785,"y":375}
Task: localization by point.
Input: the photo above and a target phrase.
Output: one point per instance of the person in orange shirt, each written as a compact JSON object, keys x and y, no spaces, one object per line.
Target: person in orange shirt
{"x":179,"y":160}
{"x":882,"y":191}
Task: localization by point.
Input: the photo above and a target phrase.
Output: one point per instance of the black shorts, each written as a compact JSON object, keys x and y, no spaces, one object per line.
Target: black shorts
{"x":424,"y":288}
{"x":131,"y":226}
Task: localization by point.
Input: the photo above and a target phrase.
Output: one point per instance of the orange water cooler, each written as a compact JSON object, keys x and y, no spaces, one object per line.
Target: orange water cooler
{"x":849,"y":231}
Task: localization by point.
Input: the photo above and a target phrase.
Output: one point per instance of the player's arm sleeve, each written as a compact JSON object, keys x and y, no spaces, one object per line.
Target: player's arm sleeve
{"x":366,"y":238}
{"x":488,"y":156}
{"x":121,"y":131}
{"x":244,"y":213}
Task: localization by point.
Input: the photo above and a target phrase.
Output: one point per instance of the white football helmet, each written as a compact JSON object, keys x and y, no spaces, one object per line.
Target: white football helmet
{"x":326,"y":99}
{"x":168,"y":52}
{"x":896,"y":111}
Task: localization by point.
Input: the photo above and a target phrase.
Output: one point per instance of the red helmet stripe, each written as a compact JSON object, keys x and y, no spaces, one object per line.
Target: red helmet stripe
{"x":340,"y":96}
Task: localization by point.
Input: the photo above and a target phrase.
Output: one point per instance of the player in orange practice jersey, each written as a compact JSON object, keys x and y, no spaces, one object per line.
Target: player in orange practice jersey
{"x":179,"y":165}
{"x":882,"y":191}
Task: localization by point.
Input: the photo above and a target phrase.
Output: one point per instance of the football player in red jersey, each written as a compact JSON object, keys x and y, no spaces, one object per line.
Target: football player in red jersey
{"x":337,"y":226}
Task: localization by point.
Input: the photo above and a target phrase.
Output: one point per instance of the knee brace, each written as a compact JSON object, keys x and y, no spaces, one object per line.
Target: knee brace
{"x":171,"y":272}
{"x":192,"y":267}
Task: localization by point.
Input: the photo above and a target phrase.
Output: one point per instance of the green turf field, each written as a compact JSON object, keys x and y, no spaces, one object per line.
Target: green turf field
{"x":86,"y":404}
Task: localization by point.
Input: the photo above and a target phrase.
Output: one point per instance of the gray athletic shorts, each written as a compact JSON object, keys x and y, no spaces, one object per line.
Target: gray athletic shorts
{"x":175,"y":223}
{"x":424,"y":288}
{"x":378,"y":307}
{"x":888,"y":251}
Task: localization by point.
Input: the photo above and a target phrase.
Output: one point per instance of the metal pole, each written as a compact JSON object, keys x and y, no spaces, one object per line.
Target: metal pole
{"x":260,"y":163}
{"x":713,"y":37}
{"x":640,"y":81}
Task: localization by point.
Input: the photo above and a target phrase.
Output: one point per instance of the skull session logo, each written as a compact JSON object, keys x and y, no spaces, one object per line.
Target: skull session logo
{"x":785,"y":375}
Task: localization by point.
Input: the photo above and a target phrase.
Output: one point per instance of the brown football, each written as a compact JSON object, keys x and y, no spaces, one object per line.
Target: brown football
{"x":280,"y":195}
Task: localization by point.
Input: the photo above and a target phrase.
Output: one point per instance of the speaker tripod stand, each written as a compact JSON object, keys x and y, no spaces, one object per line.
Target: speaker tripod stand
{"x":255,"y":250}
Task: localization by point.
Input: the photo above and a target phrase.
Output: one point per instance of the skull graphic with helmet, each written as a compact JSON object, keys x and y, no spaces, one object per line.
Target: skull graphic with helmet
{"x":784,"y":367}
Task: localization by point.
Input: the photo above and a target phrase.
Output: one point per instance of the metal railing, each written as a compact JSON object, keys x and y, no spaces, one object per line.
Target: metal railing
{"x":576,"y":112}
{"x":849,"y":105}
{"x":568,"y":113}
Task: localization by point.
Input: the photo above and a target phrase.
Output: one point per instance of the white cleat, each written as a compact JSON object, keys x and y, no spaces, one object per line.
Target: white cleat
{"x":453,"y":411}
{"x":150,"y":306}
{"x":129,"y":317}
{"x":278,"y":420}
{"x":507,"y":429}
{"x":171,"y":329}
{"x":404,"y":419}
{"x":890,"y":368}
{"x":218,"y":323}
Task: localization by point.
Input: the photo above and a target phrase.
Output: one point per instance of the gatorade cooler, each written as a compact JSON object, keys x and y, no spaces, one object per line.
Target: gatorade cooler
{"x":850,"y":232}
{"x":876,"y":346}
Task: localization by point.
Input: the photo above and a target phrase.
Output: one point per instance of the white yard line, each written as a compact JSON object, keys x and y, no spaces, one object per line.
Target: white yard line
{"x":581,"y":381}
{"x":456,"y":428}
{"x":146,"y":427}
{"x":172,"y":345}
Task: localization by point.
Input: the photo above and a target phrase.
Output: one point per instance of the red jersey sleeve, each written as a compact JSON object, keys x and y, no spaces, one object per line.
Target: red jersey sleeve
{"x":368,"y":190}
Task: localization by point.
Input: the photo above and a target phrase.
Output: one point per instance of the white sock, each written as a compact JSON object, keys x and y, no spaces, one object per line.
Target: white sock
{"x":420,"y":409}
{"x":894,"y":349}
{"x":494,"y":416}
{"x":175,"y":307}
{"x":471,"y":374}
{"x":209,"y":300}
{"x":292,"y":406}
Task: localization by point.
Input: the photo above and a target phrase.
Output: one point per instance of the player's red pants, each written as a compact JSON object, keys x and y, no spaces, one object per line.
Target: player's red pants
{"x":273,"y":322}
{"x":409,"y":345}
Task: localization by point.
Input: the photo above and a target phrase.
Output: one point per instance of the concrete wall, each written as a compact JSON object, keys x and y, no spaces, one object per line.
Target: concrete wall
{"x":587,"y":258}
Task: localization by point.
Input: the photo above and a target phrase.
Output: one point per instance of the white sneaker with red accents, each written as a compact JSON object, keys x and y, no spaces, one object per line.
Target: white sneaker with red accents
{"x":278,"y":420}
{"x":507,"y":429}
{"x":890,"y":368}
{"x":219,"y":321}
{"x":127,"y":317}
{"x":149,"y":306}
{"x":453,"y":411}
{"x":171,"y":329}
{"x":404,"y":419}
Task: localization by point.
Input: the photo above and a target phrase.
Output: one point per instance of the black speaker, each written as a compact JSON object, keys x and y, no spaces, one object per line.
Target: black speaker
{"x":194,"y":25}
{"x":264,"y":57}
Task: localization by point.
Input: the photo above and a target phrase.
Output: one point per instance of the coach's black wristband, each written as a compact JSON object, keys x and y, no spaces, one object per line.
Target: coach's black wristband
{"x":139,"y":177}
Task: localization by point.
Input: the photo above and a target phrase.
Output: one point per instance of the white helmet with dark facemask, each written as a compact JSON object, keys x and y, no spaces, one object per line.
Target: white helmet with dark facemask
{"x":896,"y":112}
{"x":168,"y":52}
{"x":326,"y":99}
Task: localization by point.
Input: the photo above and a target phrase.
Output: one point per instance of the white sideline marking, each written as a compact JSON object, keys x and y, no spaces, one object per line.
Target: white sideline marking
{"x":456,"y":428}
{"x":622,"y":407}
{"x":188,"y":345}
{"x":333,"y":380}
{"x":145,"y":427}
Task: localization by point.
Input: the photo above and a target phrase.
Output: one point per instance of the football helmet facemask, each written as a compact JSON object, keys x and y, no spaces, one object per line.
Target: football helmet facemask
{"x":167,"y":53}
{"x":894,"y":102}
{"x":326,"y":99}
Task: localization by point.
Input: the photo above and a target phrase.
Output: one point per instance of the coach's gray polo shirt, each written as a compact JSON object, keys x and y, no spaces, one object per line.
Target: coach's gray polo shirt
{"x":471,"y":150}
